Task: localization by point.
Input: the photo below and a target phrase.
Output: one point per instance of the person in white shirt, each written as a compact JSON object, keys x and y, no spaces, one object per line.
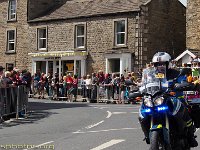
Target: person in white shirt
{"x":88,"y":84}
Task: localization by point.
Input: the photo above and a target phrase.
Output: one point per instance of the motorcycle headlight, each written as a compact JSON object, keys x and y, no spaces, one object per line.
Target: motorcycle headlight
{"x":148,"y":102}
{"x":158,"y":101}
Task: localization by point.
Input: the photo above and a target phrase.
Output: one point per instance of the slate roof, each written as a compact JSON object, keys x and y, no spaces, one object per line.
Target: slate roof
{"x":87,"y":8}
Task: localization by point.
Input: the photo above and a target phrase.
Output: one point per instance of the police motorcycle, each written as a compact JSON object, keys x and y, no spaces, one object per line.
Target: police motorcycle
{"x":160,"y":104}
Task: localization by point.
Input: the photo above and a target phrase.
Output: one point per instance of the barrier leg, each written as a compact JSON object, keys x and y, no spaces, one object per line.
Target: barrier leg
{"x":97,"y":94}
{"x":17,"y":110}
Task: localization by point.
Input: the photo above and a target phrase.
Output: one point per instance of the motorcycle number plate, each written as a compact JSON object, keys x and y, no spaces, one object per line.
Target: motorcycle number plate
{"x":160,"y":75}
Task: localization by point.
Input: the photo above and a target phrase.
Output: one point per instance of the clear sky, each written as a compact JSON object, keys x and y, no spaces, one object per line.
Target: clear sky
{"x":184,"y":2}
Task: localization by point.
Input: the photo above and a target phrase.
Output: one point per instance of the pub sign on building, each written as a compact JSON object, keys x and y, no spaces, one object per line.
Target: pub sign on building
{"x":84,"y":36}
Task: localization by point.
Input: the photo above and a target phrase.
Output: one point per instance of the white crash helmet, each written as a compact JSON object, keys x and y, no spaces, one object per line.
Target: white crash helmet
{"x":161,"y":57}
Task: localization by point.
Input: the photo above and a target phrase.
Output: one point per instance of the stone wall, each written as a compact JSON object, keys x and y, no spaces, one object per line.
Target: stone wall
{"x":192,"y":24}
{"x":19,"y":58}
{"x":164,"y":28}
{"x":100,"y":38}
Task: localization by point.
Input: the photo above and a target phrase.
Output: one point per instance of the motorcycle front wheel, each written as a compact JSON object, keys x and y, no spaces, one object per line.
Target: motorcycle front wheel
{"x":156,"y":142}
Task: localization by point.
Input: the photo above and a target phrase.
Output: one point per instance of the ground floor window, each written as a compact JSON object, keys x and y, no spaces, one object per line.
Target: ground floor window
{"x":50,"y":67}
{"x":66,"y":67}
{"x":9,"y":66}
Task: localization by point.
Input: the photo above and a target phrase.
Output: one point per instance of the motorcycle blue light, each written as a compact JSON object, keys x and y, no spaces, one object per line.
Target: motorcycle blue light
{"x":163,"y":108}
{"x":147,"y":110}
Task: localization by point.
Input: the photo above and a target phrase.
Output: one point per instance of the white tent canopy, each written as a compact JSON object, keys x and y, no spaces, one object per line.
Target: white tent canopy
{"x":186,"y":56}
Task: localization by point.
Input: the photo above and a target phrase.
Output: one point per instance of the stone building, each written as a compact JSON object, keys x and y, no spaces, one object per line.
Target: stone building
{"x":192,"y":26}
{"x":84,"y":36}
{"x":14,"y":46}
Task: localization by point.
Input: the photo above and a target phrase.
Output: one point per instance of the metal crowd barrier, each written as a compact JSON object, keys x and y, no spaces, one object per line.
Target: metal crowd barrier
{"x":13,"y":100}
{"x":106,"y":93}
{"x":100,"y":93}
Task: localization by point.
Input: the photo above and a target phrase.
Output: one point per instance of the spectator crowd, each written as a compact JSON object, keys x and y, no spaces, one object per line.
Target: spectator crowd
{"x":89,"y":87}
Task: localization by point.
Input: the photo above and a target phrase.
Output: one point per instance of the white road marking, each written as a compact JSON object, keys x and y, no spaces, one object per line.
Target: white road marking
{"x":116,"y":113}
{"x":108,"y":144}
{"x":135,"y":112}
{"x":109,"y":114}
{"x":38,"y":146}
{"x":126,"y":107}
{"x":94,"y":125}
{"x":103,"y":107}
{"x":114,"y":106}
{"x":77,"y":132}
{"x":197,"y":129}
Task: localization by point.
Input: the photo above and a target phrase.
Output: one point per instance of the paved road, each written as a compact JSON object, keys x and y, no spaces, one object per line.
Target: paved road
{"x":75,"y":126}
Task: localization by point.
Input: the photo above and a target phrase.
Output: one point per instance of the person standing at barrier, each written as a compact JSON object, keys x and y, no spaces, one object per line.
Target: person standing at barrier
{"x":69,"y":81}
{"x":95,"y":83}
{"x":61,"y":87}
{"x":26,"y":80}
{"x":117,"y":88}
{"x":18,"y":77}
{"x":88,"y":84}
{"x":83,"y":88}
{"x":36,"y":80}
{"x":49,"y":80}
{"x":75,"y":87}
{"x":65,"y":86}
{"x":107,"y":85}
{"x":56,"y":85}
{"x":123,"y":89}
{"x":7,"y":80}
{"x":42,"y":85}
{"x":113,"y":78}
{"x":101,"y":76}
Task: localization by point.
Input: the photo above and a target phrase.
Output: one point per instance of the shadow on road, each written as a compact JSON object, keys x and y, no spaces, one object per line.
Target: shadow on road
{"x":31,"y":117}
{"x":38,"y":111}
{"x":47,"y":106}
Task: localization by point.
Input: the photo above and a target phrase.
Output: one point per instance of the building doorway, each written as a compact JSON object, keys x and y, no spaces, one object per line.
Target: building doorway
{"x":41,"y":66}
{"x":114,"y":65}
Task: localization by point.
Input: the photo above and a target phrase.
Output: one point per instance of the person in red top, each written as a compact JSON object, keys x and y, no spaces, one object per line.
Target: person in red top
{"x":101,"y":76}
{"x":69,"y":81}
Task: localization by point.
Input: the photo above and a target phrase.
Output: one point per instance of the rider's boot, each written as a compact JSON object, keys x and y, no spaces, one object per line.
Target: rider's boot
{"x":191,"y":137}
{"x":144,"y":126}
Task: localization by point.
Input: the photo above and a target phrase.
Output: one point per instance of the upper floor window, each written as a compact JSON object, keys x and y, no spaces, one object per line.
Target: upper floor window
{"x":80,"y":36}
{"x":12,"y":10}
{"x":11,"y":35}
{"x":42,"y":38}
{"x":120,"y":32}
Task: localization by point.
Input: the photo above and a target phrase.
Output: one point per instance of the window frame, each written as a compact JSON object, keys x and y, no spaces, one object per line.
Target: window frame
{"x":38,"y":38}
{"x":8,"y":64}
{"x":9,"y":14}
{"x":8,"y":41}
{"x":80,"y":36}
{"x":115,"y":39}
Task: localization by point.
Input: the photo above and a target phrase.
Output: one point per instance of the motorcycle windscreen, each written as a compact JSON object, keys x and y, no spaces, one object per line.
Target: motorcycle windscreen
{"x":154,"y":80}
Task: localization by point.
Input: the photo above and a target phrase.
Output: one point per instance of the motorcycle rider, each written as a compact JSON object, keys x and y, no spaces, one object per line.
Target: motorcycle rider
{"x":163,"y":59}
